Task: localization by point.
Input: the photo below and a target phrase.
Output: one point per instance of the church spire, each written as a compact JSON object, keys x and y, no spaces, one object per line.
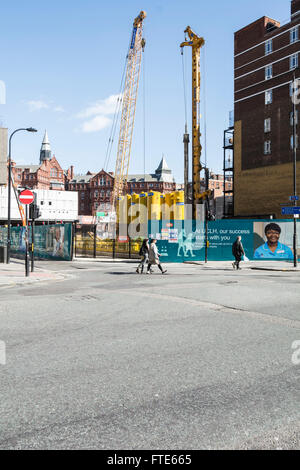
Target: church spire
{"x":45,"y":153}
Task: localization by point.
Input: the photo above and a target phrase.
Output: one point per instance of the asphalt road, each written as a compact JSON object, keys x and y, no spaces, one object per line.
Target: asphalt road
{"x":108,"y":359}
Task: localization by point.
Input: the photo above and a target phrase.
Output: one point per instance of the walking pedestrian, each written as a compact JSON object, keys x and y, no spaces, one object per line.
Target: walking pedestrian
{"x":144,"y":254}
{"x":154,"y":257}
{"x":238,"y":252}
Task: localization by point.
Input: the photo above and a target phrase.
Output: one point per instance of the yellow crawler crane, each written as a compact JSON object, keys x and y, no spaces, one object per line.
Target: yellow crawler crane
{"x":130,"y":91}
{"x":195,"y":43}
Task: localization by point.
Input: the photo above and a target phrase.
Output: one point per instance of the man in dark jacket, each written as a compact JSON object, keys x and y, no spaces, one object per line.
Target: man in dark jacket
{"x":238,"y":252}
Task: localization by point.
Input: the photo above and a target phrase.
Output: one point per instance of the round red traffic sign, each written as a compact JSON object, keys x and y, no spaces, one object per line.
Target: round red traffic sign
{"x":26,"y":197}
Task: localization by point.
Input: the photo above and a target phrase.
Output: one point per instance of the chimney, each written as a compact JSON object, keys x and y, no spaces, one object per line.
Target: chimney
{"x":72,"y":171}
{"x":295,"y":8}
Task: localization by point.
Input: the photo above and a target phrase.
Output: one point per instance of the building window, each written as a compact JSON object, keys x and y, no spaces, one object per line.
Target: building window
{"x":268,"y":72}
{"x":292,"y":118}
{"x":82,"y":195}
{"x":293,"y":61}
{"x":96,"y":193}
{"x":102,"y":181}
{"x":292,"y":142}
{"x":294,"y":35}
{"x":82,"y":206}
{"x":269,"y":47}
{"x":269,"y":97}
{"x":267,"y":147}
{"x":268,"y":125}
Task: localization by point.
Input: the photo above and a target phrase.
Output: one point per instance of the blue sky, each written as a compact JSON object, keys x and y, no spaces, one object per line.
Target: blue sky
{"x":62,"y":61}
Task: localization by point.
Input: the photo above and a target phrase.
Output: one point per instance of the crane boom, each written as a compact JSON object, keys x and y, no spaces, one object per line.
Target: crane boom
{"x":196,"y":43}
{"x":130,"y":91}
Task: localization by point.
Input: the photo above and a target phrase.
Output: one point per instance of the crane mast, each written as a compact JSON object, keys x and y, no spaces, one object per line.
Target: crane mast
{"x":130,"y":91}
{"x":196,"y":43}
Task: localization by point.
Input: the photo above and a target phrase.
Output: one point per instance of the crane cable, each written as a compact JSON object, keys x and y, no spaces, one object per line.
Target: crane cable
{"x":204,"y":104}
{"x":144,"y":113}
{"x":115,"y":118}
{"x":184,"y":88}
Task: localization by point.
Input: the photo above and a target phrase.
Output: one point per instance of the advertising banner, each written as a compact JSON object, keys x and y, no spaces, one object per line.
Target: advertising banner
{"x":50,"y":241}
{"x":261,"y":239}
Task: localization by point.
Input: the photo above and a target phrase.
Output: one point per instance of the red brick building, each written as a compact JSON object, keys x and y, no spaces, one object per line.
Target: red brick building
{"x":47,"y":175}
{"x":95,"y":189}
{"x":216,"y":184}
{"x":266,"y":58}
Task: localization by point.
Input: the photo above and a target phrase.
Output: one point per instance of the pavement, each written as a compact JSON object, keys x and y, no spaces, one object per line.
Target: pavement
{"x":14,"y":273}
{"x":199,"y":358}
{"x":214,"y":265}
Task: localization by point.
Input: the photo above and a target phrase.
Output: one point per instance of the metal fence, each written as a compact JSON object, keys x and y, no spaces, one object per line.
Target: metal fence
{"x":88,"y":245}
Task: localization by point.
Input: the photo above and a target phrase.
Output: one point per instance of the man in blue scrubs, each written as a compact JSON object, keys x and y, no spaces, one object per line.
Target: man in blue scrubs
{"x":273,"y":249}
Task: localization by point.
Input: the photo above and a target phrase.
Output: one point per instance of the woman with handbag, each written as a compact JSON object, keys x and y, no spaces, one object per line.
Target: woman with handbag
{"x":154,"y":257}
{"x":144,"y":254}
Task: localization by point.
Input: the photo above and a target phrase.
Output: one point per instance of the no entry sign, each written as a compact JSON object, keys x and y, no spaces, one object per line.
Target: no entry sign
{"x":26,"y":197}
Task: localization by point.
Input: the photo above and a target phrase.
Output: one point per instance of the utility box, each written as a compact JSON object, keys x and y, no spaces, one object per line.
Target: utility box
{"x":3,"y":155}
{"x":3,"y":254}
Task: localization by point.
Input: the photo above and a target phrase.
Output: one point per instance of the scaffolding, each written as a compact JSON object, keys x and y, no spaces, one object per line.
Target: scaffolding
{"x":228,"y":169}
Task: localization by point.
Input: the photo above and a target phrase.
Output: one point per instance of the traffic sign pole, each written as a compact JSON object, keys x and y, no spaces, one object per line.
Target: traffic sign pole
{"x":295,"y":166}
{"x":32,"y":245}
{"x":27,"y":197}
{"x":26,"y":245}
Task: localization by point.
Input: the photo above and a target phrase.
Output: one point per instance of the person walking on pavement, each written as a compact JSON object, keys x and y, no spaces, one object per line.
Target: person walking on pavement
{"x":238,"y":252}
{"x":154,"y":257}
{"x":144,"y":254}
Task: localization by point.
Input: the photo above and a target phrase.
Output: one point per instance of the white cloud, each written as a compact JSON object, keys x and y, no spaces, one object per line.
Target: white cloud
{"x":101,"y":107}
{"x":95,"y":116}
{"x":59,"y":109}
{"x":96,"y":124}
{"x":37,"y":105}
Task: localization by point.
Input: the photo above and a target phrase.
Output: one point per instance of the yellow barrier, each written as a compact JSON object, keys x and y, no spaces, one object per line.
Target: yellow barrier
{"x":169,"y":206}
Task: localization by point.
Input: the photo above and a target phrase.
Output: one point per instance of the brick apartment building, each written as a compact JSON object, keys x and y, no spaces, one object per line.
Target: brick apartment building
{"x":47,"y":175}
{"x":216,"y":184}
{"x":95,"y":189}
{"x":266,"y":58}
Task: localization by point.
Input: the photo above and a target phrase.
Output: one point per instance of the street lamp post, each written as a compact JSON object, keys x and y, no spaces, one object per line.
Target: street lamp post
{"x":295,"y":166}
{"x":29,"y":129}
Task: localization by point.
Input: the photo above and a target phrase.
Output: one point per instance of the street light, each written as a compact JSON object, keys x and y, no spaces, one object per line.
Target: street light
{"x":28,"y":129}
{"x":294,"y":94}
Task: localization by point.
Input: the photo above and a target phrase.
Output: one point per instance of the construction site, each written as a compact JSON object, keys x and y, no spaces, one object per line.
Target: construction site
{"x":138,"y":210}
{"x":183,"y":217}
